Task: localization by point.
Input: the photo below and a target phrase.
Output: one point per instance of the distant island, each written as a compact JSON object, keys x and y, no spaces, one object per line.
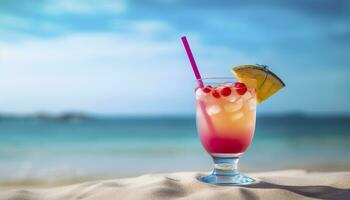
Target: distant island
{"x":80,"y":116}
{"x":62,"y":117}
{"x":48,"y":117}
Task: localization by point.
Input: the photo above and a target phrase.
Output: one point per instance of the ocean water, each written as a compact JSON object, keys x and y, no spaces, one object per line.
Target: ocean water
{"x":54,"y":150}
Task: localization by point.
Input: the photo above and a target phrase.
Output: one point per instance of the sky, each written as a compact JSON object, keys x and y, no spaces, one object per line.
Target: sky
{"x":126,"y":57}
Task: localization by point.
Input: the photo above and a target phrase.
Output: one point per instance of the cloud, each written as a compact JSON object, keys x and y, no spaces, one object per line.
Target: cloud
{"x":103,"y":73}
{"x":119,"y":57}
{"x":328,"y":9}
{"x":243,"y":23}
{"x":97,"y":73}
{"x":85,"y":6}
{"x":56,"y":18}
{"x":130,"y":74}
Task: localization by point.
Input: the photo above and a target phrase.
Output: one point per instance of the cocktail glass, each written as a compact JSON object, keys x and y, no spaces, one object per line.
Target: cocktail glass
{"x":225,"y":116}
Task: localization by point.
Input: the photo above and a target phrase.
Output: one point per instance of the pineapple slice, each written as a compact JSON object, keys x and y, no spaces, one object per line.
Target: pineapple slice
{"x":265,"y":82}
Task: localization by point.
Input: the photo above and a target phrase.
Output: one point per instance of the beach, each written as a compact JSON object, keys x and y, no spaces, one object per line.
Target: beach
{"x":290,"y":184}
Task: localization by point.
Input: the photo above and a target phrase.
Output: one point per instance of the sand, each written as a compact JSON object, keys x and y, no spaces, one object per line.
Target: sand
{"x":291,"y":184}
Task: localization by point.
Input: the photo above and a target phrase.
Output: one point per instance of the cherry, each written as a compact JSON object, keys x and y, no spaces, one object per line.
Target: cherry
{"x":215,"y":94}
{"x":207,"y":89}
{"x":226,"y":91}
{"x":241,"y":88}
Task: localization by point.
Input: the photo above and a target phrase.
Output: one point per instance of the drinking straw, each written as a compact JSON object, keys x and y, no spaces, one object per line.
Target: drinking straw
{"x":200,"y":82}
{"x":192,"y":61}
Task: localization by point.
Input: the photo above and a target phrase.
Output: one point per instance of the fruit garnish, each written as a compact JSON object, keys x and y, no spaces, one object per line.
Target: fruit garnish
{"x":265,"y":82}
{"x":241,"y":88}
{"x":207,"y":89}
{"x":226,"y":91}
{"x":216,"y":94}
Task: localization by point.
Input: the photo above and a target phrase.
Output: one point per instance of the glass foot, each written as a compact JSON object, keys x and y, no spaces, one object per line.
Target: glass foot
{"x":225,"y":172}
{"x":234,"y":179}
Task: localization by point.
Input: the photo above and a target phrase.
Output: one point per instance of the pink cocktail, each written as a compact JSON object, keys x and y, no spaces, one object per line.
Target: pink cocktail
{"x":225,"y":116}
{"x":226,"y":125}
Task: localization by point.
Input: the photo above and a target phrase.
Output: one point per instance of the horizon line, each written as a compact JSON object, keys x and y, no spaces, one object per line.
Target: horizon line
{"x":155,"y":115}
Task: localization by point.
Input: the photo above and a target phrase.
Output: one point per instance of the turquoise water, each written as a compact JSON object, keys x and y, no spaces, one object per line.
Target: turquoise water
{"x":111,"y":147}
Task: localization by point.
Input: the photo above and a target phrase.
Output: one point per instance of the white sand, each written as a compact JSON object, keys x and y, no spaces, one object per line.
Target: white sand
{"x":292,"y":184}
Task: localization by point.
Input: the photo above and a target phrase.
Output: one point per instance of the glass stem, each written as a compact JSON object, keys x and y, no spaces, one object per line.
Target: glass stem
{"x":225,"y":166}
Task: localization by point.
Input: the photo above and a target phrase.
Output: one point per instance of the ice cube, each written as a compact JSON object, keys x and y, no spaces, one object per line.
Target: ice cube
{"x":232,"y":98}
{"x":233,"y":107}
{"x":237,"y":116}
{"x":252,"y":104}
{"x":247,"y":95}
{"x":213,"y":109}
{"x":199,"y":94}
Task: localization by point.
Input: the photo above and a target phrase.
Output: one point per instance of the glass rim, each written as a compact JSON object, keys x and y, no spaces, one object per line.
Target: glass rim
{"x":218,"y":80}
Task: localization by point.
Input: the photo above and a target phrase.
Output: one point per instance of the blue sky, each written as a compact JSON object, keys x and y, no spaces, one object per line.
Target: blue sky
{"x":126,"y":57}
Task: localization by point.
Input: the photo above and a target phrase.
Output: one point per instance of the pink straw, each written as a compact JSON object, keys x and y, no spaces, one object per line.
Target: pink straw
{"x":200,"y":82}
{"x":193,"y":62}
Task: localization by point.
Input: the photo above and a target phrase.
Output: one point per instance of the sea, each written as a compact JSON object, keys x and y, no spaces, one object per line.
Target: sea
{"x":34,"y":149}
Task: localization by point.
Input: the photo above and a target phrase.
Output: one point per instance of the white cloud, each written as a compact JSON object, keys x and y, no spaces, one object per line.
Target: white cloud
{"x":104,"y":73}
{"x":85,"y":72}
{"x":135,"y":73}
{"x":150,"y":27}
{"x":11,"y":21}
{"x":85,"y":6}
